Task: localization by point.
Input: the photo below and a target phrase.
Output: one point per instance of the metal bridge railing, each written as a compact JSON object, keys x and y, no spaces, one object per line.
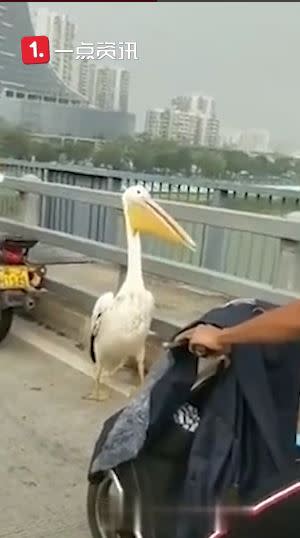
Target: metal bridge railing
{"x":234,"y":249}
{"x":175,"y":187}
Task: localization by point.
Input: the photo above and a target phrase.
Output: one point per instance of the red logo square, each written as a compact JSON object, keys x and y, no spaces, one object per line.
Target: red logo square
{"x":35,"y":49}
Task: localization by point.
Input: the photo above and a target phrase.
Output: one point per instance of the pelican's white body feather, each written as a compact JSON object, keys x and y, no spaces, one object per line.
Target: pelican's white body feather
{"x":120,"y":330}
{"x":102,"y":304}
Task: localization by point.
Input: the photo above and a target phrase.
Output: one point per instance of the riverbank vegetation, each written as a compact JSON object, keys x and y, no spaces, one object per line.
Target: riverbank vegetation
{"x":141,"y":154}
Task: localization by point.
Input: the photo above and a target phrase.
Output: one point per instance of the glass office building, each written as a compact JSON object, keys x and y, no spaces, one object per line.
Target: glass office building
{"x":33,"y":97}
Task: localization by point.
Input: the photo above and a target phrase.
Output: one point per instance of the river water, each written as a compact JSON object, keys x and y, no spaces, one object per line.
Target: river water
{"x":261,"y":205}
{"x":197,"y":195}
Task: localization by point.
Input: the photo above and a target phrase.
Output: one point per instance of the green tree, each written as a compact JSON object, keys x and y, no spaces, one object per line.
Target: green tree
{"x":15,"y":143}
{"x":164,"y":160}
{"x":259,"y":165}
{"x":211,"y":164}
{"x":83,"y":151}
{"x":44,"y":152}
{"x":77,"y":151}
{"x":110,"y":154}
{"x":236,"y":161}
{"x":184,"y":160}
{"x":282,"y":165}
{"x":142,"y":158}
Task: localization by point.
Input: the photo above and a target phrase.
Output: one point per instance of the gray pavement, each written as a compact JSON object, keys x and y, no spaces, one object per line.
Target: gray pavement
{"x":47,"y":434}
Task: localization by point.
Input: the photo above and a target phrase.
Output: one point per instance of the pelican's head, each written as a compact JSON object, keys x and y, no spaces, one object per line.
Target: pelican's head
{"x":146,"y":216}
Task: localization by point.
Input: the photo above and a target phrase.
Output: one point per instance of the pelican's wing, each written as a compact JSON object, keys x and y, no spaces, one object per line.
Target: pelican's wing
{"x":101,"y":305}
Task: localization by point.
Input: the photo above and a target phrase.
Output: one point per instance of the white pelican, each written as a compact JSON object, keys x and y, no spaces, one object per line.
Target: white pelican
{"x":120,"y":323}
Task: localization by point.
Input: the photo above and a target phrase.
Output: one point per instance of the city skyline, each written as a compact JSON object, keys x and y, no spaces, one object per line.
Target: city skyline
{"x":189,"y":119}
{"x":245,"y":54}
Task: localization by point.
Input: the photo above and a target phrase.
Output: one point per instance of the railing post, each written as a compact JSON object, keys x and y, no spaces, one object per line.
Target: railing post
{"x":30,"y":212}
{"x":214,"y":250}
{"x":288,"y":271}
{"x":111,"y":220}
{"x":219,"y":197}
{"x":43,"y":175}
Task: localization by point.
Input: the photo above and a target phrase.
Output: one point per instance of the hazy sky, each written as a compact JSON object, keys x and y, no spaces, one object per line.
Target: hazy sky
{"x":244,"y":54}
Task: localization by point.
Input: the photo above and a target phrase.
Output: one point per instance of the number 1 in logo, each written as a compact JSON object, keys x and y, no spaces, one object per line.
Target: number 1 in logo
{"x":35,"y":50}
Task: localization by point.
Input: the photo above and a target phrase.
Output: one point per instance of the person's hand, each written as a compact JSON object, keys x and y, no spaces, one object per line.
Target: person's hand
{"x":203,"y":339}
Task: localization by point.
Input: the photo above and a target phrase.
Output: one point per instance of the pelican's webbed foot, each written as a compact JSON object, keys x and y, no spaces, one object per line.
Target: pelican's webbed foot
{"x":99,"y":393}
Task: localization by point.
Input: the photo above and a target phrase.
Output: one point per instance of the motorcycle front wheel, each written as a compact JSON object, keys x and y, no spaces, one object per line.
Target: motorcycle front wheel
{"x":109,"y":513}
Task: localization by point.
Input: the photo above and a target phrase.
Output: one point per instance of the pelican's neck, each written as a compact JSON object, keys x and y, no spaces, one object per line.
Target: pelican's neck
{"x":134,"y":276}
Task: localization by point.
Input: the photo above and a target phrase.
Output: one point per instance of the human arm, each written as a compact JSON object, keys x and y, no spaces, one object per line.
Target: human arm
{"x":279,"y":325}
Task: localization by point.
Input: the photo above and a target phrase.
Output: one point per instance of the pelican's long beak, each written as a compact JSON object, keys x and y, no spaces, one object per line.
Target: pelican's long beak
{"x":147,"y":217}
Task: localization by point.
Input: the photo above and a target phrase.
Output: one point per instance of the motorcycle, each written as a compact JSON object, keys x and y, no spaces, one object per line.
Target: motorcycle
{"x":21,"y":281}
{"x":120,"y":504}
{"x":138,"y":498}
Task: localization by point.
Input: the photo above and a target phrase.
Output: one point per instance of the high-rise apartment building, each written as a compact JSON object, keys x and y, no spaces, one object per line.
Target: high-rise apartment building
{"x":190,"y":120}
{"x":105,"y":88}
{"x":111,"y":89}
{"x":172,"y":124}
{"x":229,"y":138}
{"x":123,"y":81}
{"x":184,"y":127}
{"x":61,"y":32}
{"x":83,"y":80}
{"x":205,"y":107}
{"x":255,"y":140}
{"x":153,"y":122}
{"x":195,"y":104}
{"x":212,"y":133}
